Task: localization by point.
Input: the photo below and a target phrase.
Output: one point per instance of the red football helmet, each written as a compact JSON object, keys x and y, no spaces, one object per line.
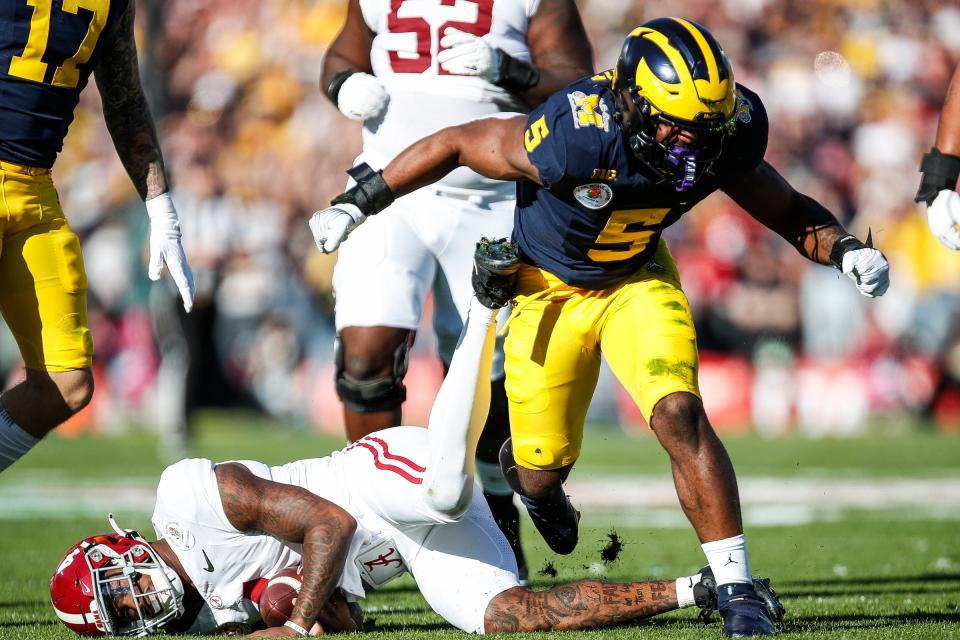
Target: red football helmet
{"x":116,"y":584}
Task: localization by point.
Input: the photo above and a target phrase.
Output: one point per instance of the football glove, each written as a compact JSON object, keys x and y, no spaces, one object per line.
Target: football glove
{"x":166,"y":247}
{"x":869,"y":269}
{"x":465,"y":54}
{"x":332,"y":225}
{"x":362,"y":97}
{"x":943,"y":216}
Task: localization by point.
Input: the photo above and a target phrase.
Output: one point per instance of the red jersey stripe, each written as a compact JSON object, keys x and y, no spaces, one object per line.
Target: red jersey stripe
{"x":391,"y":456}
{"x":387,"y":467}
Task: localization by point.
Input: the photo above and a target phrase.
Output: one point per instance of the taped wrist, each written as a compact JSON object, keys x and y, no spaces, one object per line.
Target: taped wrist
{"x":515,"y":75}
{"x":371,"y":194}
{"x":842,"y":246}
{"x":940,"y":171}
{"x":336,"y":83}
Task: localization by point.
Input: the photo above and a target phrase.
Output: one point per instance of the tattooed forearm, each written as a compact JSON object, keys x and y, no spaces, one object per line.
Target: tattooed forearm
{"x":816,"y":240}
{"x":324,"y":554}
{"x":586,"y":604}
{"x":126,"y":111}
{"x":296,"y":515}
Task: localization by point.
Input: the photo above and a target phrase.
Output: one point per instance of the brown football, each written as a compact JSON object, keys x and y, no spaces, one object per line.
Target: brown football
{"x":277,"y":598}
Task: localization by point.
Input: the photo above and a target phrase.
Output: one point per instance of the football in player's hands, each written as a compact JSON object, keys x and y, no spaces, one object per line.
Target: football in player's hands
{"x":280,"y":595}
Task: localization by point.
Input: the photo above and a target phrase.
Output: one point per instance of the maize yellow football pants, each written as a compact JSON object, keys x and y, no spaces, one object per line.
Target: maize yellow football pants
{"x":557,"y":333}
{"x":43,"y":284}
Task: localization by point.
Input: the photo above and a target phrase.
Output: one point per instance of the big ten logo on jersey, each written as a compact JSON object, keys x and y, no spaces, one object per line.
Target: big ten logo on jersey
{"x":426,"y":22}
{"x":65,"y":36}
{"x":589,"y":111}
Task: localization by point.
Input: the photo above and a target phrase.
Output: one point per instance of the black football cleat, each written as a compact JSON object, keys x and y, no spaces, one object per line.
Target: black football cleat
{"x":744,"y":612}
{"x":554,"y":516}
{"x":705,"y":594}
{"x":495,"y":266}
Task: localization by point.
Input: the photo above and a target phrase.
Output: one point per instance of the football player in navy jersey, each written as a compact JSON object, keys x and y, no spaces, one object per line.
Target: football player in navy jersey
{"x":47,"y":52}
{"x":602,"y":168}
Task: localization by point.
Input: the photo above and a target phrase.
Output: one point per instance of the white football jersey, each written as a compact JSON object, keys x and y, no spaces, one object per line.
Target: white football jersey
{"x":423,"y":97}
{"x":378,"y":480}
{"x":223,"y":563}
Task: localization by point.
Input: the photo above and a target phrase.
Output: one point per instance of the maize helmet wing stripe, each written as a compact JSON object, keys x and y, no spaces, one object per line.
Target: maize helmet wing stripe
{"x":680,"y":68}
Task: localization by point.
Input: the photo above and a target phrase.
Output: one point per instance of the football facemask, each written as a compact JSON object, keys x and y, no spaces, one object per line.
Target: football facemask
{"x":115,"y":584}
{"x":684,"y":152}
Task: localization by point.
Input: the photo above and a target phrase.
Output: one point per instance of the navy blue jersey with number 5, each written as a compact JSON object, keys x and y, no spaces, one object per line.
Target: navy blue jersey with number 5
{"x":48,"y":48}
{"x":599,"y":213}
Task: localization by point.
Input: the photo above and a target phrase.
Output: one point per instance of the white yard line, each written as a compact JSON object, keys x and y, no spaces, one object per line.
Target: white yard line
{"x":648,"y":501}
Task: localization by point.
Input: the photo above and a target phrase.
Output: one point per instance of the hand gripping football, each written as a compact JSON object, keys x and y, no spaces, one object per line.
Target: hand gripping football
{"x":279,"y":596}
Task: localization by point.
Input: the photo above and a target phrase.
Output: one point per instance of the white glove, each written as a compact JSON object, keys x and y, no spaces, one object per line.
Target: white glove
{"x":943,"y":217}
{"x":869,"y":269}
{"x":465,"y":54}
{"x":166,"y":248}
{"x":332,"y":225}
{"x":362,"y":97}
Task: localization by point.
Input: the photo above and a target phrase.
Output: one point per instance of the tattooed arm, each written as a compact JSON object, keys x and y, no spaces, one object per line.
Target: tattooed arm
{"x":126,"y":112}
{"x":135,"y":139}
{"x":585,"y":604}
{"x":296,"y":515}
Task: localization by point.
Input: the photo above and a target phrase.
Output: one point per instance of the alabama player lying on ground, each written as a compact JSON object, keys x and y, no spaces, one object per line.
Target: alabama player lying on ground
{"x":399,"y":499}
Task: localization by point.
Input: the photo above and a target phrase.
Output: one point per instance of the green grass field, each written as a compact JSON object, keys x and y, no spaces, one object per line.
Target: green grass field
{"x":877,"y":572}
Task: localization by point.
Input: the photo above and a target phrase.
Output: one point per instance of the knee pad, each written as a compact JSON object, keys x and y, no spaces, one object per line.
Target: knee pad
{"x":380,"y":394}
{"x":545,"y":453}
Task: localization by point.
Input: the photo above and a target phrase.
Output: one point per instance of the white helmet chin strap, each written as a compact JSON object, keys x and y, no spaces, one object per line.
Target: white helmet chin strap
{"x":126,"y":533}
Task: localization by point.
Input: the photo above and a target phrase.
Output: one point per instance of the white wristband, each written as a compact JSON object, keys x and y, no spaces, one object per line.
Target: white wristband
{"x":293,"y":625}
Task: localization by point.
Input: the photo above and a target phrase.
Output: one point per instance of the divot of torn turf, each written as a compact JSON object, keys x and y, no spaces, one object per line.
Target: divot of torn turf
{"x":549,"y":570}
{"x":611,"y":551}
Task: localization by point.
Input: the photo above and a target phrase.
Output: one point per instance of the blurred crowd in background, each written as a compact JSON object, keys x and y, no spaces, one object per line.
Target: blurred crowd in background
{"x":853,"y":89}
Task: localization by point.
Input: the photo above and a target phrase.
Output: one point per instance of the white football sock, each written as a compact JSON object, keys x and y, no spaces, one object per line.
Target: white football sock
{"x":685,"y":596}
{"x":14,"y":441}
{"x":728,"y":559}
{"x":458,"y":415}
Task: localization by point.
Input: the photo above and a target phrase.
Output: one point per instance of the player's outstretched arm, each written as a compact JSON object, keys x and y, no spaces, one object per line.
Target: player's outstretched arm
{"x":492,"y":147}
{"x":131,"y":126}
{"x":293,"y":514}
{"x":585,"y":604}
{"x":809,"y":227}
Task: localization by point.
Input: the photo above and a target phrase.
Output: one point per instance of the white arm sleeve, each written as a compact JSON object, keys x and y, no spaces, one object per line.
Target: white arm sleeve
{"x":459,"y":414}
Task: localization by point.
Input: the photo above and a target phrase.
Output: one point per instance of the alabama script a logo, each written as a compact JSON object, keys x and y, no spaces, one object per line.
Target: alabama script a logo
{"x":383,"y":560}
